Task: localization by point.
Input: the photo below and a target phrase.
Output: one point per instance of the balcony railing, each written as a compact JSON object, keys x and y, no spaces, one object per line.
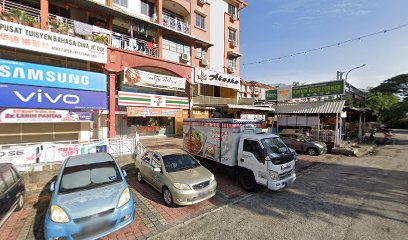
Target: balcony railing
{"x":176,"y":24}
{"x":133,"y":44}
{"x":17,"y":13}
{"x":213,"y":100}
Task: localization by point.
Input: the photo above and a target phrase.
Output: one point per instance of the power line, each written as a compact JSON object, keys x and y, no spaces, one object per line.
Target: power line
{"x":338,"y":44}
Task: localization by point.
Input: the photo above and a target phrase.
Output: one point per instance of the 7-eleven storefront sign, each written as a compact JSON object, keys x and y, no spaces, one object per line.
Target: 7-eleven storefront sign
{"x":151,"y":100}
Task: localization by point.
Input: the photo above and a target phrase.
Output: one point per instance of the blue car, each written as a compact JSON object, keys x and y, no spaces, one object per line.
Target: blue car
{"x":91,"y":199}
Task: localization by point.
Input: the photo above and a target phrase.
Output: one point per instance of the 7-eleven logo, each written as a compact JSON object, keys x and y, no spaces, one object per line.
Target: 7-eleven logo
{"x":158,"y":101}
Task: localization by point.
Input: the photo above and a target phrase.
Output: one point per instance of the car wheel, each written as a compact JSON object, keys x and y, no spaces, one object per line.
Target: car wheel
{"x":247,"y":180}
{"x":20,"y":202}
{"x":139,"y":176}
{"x":168,"y":197}
{"x":311,"y":151}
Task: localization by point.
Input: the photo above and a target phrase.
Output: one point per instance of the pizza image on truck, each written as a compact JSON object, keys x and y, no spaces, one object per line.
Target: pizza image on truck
{"x":256,"y":158}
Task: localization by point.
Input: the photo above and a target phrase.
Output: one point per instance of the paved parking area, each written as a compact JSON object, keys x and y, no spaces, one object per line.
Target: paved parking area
{"x":151,"y":214}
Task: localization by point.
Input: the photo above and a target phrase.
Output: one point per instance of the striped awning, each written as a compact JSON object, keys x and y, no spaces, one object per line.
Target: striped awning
{"x":310,"y":107}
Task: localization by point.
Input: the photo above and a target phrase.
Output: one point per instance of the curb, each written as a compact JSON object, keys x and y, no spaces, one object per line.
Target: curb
{"x":244,"y":197}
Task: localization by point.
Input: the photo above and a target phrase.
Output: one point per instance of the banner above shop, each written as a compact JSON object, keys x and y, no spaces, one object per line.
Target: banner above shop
{"x":151,"y":100}
{"x":211,"y":77}
{"x":134,"y":77}
{"x":33,"y":39}
{"x":17,"y":96}
{"x":272,"y":95}
{"x":39,"y":116}
{"x":46,"y":76}
{"x":153,"y":112}
{"x":284,"y":93}
{"x":319,"y":89}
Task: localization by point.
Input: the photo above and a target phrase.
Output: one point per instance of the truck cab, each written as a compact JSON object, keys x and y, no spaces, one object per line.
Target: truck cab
{"x":265,"y":160}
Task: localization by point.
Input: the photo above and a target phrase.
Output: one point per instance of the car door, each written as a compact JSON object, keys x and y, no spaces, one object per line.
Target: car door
{"x":3,"y":199}
{"x":297,"y":145}
{"x":145,"y":167}
{"x":253,"y":158}
{"x":156,"y":176}
{"x":10,"y":193}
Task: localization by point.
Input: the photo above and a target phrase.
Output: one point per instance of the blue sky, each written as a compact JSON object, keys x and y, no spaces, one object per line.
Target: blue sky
{"x":272,"y":28}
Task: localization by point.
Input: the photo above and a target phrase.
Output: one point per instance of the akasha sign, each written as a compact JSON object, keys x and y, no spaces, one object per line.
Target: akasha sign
{"x":33,"y":39}
{"x":50,"y":98}
{"x":41,"y":115}
{"x":211,"y":77}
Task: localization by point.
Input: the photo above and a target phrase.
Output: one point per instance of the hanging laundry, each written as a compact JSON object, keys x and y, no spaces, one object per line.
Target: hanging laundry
{"x":116,"y":42}
{"x":82,"y":28}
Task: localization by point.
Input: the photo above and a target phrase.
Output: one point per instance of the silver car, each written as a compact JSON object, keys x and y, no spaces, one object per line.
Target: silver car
{"x":177,"y":175}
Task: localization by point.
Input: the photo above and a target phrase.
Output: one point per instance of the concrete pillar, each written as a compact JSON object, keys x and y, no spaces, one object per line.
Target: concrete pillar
{"x":44,"y":14}
{"x":360,"y":128}
{"x":112,"y":105}
{"x":159,"y":11}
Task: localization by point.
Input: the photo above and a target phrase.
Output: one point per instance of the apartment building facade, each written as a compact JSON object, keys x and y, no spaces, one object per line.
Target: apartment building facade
{"x":149,"y":51}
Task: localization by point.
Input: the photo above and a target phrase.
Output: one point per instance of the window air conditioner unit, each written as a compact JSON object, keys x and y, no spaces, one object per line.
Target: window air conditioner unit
{"x":185,"y":57}
{"x":234,"y":17}
{"x":233,"y":43}
{"x":204,"y":62}
{"x":202,"y":2}
{"x":231,"y":69}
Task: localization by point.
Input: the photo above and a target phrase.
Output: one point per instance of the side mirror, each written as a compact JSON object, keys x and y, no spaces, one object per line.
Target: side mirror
{"x":124,"y":173}
{"x":52,"y":187}
{"x":156,"y":169}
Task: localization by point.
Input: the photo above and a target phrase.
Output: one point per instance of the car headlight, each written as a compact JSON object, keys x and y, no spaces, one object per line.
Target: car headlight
{"x":319,"y":145}
{"x":212,"y":178}
{"x":182,"y":186}
{"x":274,"y":175}
{"x":58,"y":214}
{"x":124,"y":198}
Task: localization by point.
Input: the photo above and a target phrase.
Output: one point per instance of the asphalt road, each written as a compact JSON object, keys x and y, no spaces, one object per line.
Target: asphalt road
{"x":343,"y":198}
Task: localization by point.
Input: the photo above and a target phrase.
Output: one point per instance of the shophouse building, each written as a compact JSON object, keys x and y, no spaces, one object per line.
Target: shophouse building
{"x":153,"y":55}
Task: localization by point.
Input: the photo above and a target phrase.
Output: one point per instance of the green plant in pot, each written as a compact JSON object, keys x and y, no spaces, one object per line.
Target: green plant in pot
{"x":16,"y":15}
{"x":28,"y":20}
{"x":100,"y":39}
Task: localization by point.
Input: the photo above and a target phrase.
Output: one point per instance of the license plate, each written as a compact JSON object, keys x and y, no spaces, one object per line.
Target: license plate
{"x":203,"y":194}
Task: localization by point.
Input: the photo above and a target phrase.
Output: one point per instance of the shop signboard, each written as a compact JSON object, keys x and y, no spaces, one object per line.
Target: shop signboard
{"x":17,"y":96}
{"x":319,"y":89}
{"x":38,"y":40}
{"x":250,"y":116}
{"x":46,"y":76}
{"x":272,"y":95}
{"x":215,"y":78}
{"x":151,"y":100}
{"x":153,"y":112}
{"x":134,"y":77}
{"x":12,"y":115}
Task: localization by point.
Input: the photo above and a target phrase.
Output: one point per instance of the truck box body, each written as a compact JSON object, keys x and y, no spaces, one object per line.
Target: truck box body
{"x":216,"y":139}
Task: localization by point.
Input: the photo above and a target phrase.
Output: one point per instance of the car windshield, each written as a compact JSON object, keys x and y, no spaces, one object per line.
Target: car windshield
{"x":88,"y":176}
{"x":274,"y":145}
{"x":179,"y":162}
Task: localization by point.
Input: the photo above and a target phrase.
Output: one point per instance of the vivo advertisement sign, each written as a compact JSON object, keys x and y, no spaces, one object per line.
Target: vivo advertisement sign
{"x":46,"y":76}
{"x":17,"y":96}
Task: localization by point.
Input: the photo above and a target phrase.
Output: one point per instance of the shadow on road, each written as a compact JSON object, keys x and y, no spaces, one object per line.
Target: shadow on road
{"x":41,"y":207}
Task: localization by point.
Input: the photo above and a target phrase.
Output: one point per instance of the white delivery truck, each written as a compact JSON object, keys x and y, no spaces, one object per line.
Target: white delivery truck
{"x":257,"y":158}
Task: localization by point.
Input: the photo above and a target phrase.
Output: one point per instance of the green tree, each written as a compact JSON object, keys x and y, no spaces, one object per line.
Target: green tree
{"x":397,"y":85}
{"x":381,"y":103}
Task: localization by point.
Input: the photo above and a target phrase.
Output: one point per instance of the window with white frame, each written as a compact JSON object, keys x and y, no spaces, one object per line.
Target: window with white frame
{"x":232,"y":9}
{"x":201,"y":52}
{"x":176,"y":47}
{"x":232,"y":63}
{"x":200,"y":21}
{"x":232,"y":35}
{"x":147,"y":8}
{"x":123,"y":3}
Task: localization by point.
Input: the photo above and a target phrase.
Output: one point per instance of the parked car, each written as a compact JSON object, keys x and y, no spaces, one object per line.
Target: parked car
{"x":300,"y":143}
{"x":176,"y":175}
{"x":12,"y":191}
{"x":91,"y":199}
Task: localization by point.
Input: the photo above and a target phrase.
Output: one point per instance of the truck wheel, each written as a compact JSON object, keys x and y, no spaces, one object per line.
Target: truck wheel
{"x":311,"y":151}
{"x":247,"y":180}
